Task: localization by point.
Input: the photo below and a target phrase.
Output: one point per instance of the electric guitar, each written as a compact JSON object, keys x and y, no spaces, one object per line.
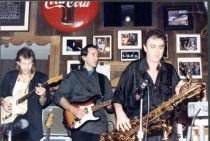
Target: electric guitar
{"x":73,"y":122}
{"x":48,"y":125}
{"x":17,"y":108}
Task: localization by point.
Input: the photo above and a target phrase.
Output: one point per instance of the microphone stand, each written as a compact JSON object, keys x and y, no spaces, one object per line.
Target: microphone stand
{"x":9,"y":134}
{"x":140,"y":133}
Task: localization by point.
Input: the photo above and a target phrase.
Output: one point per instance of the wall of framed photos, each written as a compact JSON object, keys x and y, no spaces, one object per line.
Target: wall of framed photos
{"x":120,"y":45}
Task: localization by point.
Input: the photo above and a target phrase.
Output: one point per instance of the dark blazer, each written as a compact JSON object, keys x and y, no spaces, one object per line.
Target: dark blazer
{"x":34,"y":132}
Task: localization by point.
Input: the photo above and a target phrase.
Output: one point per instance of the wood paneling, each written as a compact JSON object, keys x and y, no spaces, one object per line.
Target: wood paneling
{"x":41,"y":32}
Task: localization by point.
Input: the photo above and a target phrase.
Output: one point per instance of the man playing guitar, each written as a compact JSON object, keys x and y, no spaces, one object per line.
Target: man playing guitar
{"x":79,"y":86}
{"x":15,"y":85}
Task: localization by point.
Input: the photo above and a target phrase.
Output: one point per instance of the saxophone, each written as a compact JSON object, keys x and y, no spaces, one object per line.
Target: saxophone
{"x":186,"y":91}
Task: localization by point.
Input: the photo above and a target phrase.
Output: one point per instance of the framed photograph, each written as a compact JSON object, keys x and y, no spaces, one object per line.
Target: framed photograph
{"x":178,"y":18}
{"x":130,"y":55}
{"x":130,"y":39}
{"x":104,"y":43}
{"x":73,"y":45}
{"x":188,"y":43}
{"x":72,"y":65}
{"x":192,"y":64}
{"x":14,"y":16}
{"x":104,"y":69}
{"x":196,"y":131}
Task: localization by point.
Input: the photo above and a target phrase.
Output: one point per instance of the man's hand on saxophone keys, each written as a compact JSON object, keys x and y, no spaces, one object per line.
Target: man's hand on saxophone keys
{"x":123,"y":122}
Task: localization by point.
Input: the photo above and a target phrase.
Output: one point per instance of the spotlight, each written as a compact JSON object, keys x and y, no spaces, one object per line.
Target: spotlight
{"x":127,"y":19}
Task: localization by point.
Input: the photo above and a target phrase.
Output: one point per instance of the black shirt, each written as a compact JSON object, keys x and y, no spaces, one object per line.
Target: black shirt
{"x":133,"y":76}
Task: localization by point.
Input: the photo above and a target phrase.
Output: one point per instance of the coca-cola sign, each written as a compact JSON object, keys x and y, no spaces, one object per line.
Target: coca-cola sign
{"x":70,"y":16}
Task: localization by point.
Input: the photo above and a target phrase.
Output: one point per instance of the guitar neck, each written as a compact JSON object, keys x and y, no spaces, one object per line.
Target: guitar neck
{"x":29,"y":94}
{"x":100,"y":105}
{"x":20,"y":100}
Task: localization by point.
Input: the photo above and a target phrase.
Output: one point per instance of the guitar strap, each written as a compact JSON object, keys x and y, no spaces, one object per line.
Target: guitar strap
{"x":84,"y":83}
{"x":101,"y":83}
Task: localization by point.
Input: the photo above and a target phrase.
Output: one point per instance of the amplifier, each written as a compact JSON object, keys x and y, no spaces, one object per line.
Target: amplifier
{"x":57,"y":128}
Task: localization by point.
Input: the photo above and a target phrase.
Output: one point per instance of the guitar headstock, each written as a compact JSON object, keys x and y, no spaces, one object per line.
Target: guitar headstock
{"x":55,"y":79}
{"x":49,"y":120}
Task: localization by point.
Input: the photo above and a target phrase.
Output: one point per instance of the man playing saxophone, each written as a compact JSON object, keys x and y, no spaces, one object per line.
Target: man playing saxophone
{"x":163,"y":83}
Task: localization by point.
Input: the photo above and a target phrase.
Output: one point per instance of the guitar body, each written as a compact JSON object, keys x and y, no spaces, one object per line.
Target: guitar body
{"x":17,"y":109}
{"x":19,"y":103}
{"x":73,"y":122}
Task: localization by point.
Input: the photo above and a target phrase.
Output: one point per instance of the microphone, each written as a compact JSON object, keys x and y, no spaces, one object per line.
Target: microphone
{"x":141,"y":89}
{"x":21,"y":124}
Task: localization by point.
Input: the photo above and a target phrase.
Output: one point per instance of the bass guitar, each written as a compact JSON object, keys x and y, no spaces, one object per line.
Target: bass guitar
{"x":48,"y":125}
{"x":17,"y":108}
{"x":74,"y":123}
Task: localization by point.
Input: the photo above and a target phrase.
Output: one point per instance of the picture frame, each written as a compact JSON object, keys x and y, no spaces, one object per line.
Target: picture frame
{"x":195,"y":131}
{"x":130,"y":39}
{"x":104,"y":69}
{"x":72,"y":65}
{"x":188,"y":43}
{"x":16,"y":17}
{"x":73,"y":45}
{"x":104,"y":44}
{"x":193,"y":64}
{"x":178,"y":18}
{"x":130,"y":55}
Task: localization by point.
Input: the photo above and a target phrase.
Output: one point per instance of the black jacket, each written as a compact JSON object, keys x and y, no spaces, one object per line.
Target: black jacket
{"x":34,"y":132}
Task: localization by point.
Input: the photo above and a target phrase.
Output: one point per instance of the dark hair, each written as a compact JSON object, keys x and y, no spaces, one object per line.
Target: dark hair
{"x":26,"y":53}
{"x":157,"y":34}
{"x":84,"y":52}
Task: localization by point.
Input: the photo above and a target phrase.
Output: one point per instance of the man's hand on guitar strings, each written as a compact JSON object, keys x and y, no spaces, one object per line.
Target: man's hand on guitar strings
{"x":78,"y":112}
{"x":7,"y":106}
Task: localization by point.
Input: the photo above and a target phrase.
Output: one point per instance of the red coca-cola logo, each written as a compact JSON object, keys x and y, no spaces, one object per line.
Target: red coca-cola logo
{"x":69,"y":15}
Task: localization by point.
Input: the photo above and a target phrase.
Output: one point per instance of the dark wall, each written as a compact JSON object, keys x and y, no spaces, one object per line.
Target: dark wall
{"x":97,"y":28}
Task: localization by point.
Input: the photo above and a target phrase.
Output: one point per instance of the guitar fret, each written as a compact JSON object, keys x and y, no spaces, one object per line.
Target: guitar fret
{"x":100,"y":105}
{"x":20,"y":100}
